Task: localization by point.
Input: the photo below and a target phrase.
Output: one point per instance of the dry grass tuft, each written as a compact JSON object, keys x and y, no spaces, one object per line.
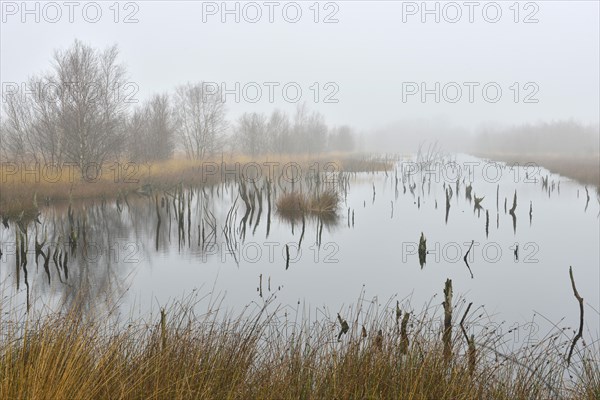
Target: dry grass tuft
{"x":325,"y":202}
{"x":292,"y":203}
{"x":318,"y":204}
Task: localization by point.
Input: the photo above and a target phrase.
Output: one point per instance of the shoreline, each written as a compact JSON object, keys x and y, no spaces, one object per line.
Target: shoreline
{"x":584,"y":169}
{"x":391,"y":352}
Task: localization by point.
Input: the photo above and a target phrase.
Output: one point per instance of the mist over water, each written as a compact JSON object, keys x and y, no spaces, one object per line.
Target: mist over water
{"x":305,"y":156}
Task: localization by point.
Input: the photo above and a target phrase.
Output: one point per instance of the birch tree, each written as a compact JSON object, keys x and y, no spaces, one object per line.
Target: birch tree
{"x":200,"y":120}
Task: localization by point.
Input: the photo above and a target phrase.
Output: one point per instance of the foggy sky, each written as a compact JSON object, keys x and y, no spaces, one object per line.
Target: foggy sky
{"x":368,"y":54}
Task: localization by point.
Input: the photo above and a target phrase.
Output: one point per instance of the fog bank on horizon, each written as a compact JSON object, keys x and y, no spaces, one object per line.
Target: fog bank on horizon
{"x":437,"y":66}
{"x":566,"y":137}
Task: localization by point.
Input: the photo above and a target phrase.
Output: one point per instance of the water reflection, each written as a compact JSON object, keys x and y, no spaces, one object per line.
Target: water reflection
{"x":101,"y":253}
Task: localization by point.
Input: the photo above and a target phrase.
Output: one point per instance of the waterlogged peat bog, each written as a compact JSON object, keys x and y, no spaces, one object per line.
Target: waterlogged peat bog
{"x":299,"y":200}
{"x":513,"y":248}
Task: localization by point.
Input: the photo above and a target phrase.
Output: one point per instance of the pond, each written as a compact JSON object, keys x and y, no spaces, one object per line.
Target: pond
{"x":145,"y":250}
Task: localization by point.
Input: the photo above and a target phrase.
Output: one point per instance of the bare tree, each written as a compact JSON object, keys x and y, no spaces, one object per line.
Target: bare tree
{"x":18,"y":127}
{"x":151,"y":130}
{"x":137,"y":134}
{"x":31,"y":129}
{"x":297,"y":142}
{"x":75,"y":113}
{"x":342,"y":138}
{"x":200,"y":119}
{"x":316,"y":133}
{"x":92,"y":106}
{"x":78,"y":113}
{"x":251,"y":133}
{"x":278,"y":132}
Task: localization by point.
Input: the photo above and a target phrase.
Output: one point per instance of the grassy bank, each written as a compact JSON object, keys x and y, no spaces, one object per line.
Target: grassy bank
{"x":23,"y":187}
{"x":365,"y":352}
{"x":582,"y":168}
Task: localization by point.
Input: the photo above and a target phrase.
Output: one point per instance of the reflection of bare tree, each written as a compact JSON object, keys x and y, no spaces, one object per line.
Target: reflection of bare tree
{"x":85,"y":251}
{"x":88,"y":249}
{"x":512,"y":213}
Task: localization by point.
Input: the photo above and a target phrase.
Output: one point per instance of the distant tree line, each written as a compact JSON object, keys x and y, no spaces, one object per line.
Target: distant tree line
{"x":557,"y":137}
{"x":79,"y":112}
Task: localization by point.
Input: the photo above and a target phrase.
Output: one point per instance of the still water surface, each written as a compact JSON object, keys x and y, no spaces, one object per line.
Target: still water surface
{"x":130,"y":261}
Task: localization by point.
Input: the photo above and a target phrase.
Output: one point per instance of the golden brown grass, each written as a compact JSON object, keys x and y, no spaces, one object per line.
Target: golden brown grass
{"x":20,"y":184}
{"x":292,"y":202}
{"x":582,"y":168}
{"x":266,"y":355}
{"x":325,"y":202}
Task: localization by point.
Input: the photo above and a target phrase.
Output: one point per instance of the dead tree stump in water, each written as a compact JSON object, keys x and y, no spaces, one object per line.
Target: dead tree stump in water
{"x":447,"y":336}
